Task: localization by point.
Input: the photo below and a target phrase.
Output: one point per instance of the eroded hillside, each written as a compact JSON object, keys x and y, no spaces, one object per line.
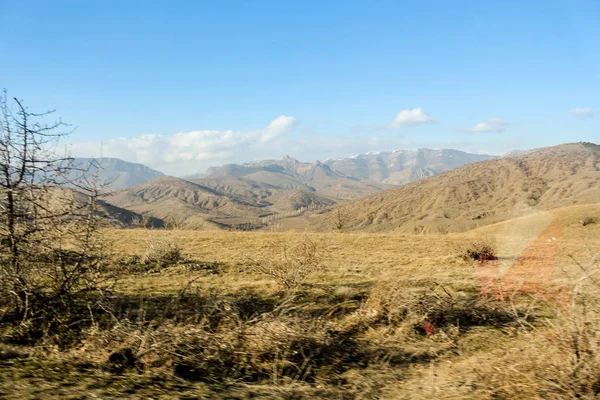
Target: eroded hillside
{"x":481,"y":193}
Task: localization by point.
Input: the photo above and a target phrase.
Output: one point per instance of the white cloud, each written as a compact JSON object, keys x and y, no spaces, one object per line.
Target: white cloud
{"x":191,"y":152}
{"x":585,"y":112}
{"x":416,"y":116}
{"x":279,"y":126}
{"x":493,"y":125}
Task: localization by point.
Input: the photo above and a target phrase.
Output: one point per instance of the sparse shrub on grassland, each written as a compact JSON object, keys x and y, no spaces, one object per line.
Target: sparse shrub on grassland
{"x":278,"y":350}
{"x":442,"y":307}
{"x":479,"y":249}
{"x":589,"y":220}
{"x":559,"y":361}
{"x":291,"y":262}
{"x":161,"y":252}
{"x":174,"y":223}
{"x":226,"y":342}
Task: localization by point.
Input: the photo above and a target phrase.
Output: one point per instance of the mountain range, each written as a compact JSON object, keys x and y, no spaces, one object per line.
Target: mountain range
{"x":252,"y":195}
{"x":243,"y":196}
{"x":419,"y":190}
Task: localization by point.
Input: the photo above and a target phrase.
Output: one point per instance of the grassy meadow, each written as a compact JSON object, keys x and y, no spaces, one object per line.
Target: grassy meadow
{"x":332,"y":315}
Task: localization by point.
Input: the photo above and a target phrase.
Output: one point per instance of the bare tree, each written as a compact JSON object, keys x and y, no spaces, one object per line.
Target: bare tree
{"x":49,"y":245}
{"x":340,"y":220}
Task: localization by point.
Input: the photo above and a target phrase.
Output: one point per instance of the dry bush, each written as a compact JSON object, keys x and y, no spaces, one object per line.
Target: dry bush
{"x":161,"y":252}
{"x":479,"y":249}
{"x":174,"y":223}
{"x":440,"y":307}
{"x":341,"y":220}
{"x":589,"y":220}
{"x":291,"y":262}
{"x":228,"y":343}
{"x":52,"y":254}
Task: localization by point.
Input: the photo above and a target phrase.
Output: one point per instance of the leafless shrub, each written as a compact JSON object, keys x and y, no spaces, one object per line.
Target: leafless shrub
{"x":440,"y":307}
{"x":143,"y":221}
{"x":340,"y":220}
{"x":174,"y":223}
{"x":276,"y":350}
{"x":291,"y":262}
{"x":52,"y":254}
{"x":561,"y":360}
{"x":161,"y":252}
{"x":479,"y":249}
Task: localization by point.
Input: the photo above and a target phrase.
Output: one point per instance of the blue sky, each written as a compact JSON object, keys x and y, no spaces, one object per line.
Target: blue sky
{"x":181,"y":85}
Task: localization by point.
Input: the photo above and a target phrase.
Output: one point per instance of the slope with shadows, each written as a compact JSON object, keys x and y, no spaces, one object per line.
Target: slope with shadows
{"x":403,"y":166}
{"x":229,"y":203}
{"x":64,"y":199}
{"x":186,"y":204}
{"x":481,"y":193}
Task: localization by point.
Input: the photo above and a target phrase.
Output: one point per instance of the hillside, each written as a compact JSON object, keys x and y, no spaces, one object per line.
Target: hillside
{"x":403,"y":166}
{"x":186,"y":203}
{"x":480,"y":194}
{"x":61,"y":199}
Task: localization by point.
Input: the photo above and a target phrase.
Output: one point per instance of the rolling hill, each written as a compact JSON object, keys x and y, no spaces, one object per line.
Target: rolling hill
{"x":186,"y":203}
{"x":65,"y":199}
{"x":481,"y":193}
{"x":226,"y":203}
{"x":272,"y":192}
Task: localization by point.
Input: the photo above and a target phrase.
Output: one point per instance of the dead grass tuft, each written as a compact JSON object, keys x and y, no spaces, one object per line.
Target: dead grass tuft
{"x":161,"y":252}
{"x":291,"y":262}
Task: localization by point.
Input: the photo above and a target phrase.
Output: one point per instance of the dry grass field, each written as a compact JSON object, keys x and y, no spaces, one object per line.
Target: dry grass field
{"x":329,"y":315}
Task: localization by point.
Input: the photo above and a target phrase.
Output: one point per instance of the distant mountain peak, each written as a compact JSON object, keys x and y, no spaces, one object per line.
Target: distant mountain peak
{"x":118,"y":173}
{"x":395,"y":167}
{"x":398,"y":167}
{"x":287,"y":158}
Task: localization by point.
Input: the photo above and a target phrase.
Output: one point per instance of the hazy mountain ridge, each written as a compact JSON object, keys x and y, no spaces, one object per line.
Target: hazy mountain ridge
{"x":116,"y":173}
{"x":243,"y":195}
{"x":291,"y":174}
{"x":403,"y":166}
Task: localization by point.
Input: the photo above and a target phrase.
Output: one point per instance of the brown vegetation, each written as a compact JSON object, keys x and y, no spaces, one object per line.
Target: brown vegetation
{"x":291,"y":262}
{"x":377,"y":317}
{"x":479,"y":249}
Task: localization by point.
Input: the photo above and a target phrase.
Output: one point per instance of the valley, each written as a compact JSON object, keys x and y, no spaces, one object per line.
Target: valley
{"x":287,"y":194}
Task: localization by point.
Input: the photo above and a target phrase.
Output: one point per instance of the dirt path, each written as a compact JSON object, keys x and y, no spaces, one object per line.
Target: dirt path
{"x":528,"y":266}
{"x":536,"y":268}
